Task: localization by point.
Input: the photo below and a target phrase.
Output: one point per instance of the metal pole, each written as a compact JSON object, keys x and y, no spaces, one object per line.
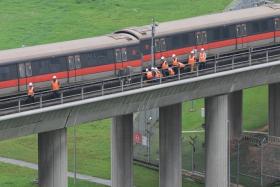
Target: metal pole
{"x":238,"y":163}
{"x":267,"y":56}
{"x":262,"y":163}
{"x":197,"y":69}
{"x":75,"y":153}
{"x":41,"y":101}
{"x":102,"y":88}
{"x":232,"y":62}
{"x":141,"y":80}
{"x":19,"y":105}
{"x":215,"y":65}
{"x":250,"y":57}
{"x":82,"y":93}
{"x":153,"y":42}
{"x":61,"y":97}
{"x":122,"y":84}
{"x":179,"y":73}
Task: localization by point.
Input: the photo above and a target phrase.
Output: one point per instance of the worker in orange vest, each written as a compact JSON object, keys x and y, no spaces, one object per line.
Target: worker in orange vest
{"x":176,"y":64}
{"x":164,"y":66}
{"x":30,"y":93}
{"x":149,"y":74}
{"x":192,"y":61}
{"x":157,"y":73}
{"x":202,"y":59}
{"x":55,"y":86}
{"x":171,"y":71}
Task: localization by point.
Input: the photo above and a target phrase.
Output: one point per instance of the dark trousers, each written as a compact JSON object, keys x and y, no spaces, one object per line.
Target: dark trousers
{"x":30,"y":99}
{"x":56,"y":94}
{"x":202,"y":65}
{"x":165,"y":72}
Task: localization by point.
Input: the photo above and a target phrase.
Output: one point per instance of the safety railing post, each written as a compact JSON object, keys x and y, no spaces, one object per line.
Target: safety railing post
{"x":19,"y":106}
{"x":82,"y":93}
{"x":102,"y":88}
{"x":232,"y":62}
{"x":267,"y":56}
{"x":250,"y":58}
{"x":141,"y":83}
{"x":215,"y":64}
{"x":122,"y":84}
{"x":41,"y":101}
{"x":61,"y":98}
{"x":179,"y":74}
{"x":160,"y":79}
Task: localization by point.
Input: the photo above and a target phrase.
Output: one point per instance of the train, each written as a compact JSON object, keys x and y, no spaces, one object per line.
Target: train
{"x":129,"y":49}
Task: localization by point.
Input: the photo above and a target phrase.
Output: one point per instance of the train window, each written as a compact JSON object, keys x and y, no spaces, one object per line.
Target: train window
{"x":241,"y":30}
{"x":71,"y":63}
{"x":118,"y":55}
{"x":21,"y":70}
{"x":87,"y":59}
{"x":162,"y":44}
{"x":277,"y":23}
{"x":198,"y":38}
{"x":124,"y":54}
{"x":8,"y":72}
{"x":157,"y":45}
{"x":28,"y":69}
{"x":57,"y":65}
{"x":40,"y":67}
{"x":204,"y":37}
{"x":77,"y":62}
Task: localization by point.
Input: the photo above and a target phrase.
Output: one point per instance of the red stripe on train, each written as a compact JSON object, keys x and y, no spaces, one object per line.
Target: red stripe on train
{"x":135,"y":63}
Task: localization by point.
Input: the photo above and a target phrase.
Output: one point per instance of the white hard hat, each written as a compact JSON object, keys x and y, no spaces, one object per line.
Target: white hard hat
{"x":162,"y":58}
{"x":202,"y":49}
{"x":173,"y":55}
{"x":192,"y":52}
{"x":54,"y":77}
{"x":30,"y":84}
{"x":156,"y":68}
{"x":147,"y":69}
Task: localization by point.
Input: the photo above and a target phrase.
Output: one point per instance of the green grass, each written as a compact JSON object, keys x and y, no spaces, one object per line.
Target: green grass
{"x":15,"y":176}
{"x":35,"y":22}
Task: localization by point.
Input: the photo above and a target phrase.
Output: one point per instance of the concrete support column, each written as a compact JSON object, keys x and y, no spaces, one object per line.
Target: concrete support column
{"x":122,"y":151}
{"x":235,"y":114}
{"x":170,"y":127}
{"x":274,"y":109}
{"x":216,"y":139}
{"x":52,"y":158}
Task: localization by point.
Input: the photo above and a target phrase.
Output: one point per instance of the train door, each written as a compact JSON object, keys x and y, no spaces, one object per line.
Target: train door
{"x":24,"y":71}
{"x":74,"y":65}
{"x":241,"y":32}
{"x":201,"y":39}
{"x":277,"y":29}
{"x":157,"y":52}
{"x":118,"y":61}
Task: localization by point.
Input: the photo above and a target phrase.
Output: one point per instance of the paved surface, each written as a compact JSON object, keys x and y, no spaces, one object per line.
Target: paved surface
{"x":70,"y":174}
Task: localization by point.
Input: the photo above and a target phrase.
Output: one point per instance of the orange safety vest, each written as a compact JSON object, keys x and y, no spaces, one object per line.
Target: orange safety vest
{"x":202,"y":57}
{"x":191,"y":59}
{"x":30,"y":91}
{"x":55,"y":85}
{"x":149,"y":75}
{"x":164,"y":65}
{"x":175,"y":62}
{"x":171,"y":71}
{"x":158,"y":74}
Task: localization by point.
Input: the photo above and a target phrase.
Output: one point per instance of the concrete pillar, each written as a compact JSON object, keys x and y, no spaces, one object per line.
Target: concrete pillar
{"x":170,"y":127}
{"x":52,"y":158}
{"x":216,"y":139}
{"x":235,"y":114}
{"x":274,"y":109}
{"x":122,"y":151}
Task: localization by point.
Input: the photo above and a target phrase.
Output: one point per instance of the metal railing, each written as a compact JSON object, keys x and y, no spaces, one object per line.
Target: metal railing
{"x":121,"y":84}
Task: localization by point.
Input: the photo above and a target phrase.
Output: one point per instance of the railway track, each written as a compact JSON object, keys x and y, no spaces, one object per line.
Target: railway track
{"x":225,"y":62}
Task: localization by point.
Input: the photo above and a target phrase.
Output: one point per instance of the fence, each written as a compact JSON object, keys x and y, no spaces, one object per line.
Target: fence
{"x":254,"y":158}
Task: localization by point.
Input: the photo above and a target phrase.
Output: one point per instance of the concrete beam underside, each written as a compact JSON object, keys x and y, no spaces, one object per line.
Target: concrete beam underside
{"x":170,"y":127}
{"x":52,"y":158}
{"x":274,"y":109}
{"x":216,"y":138}
{"x":122,"y":151}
